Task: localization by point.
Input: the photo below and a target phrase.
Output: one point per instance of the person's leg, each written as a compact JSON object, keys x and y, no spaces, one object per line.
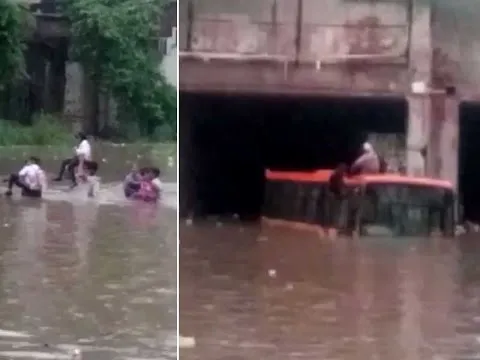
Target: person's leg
{"x":31,"y":193}
{"x":63,"y":167}
{"x":71,"y":170}
{"x":14,"y":179}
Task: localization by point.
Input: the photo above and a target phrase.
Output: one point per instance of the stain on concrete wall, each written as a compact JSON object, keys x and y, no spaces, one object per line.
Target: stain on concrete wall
{"x":337,"y":28}
{"x":455,"y":29}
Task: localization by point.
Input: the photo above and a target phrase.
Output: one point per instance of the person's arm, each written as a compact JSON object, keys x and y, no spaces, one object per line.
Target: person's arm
{"x":157,"y":185}
{"x":359,"y":162}
{"x":23,"y":171}
{"x":82,"y":148}
{"x":42,"y":179}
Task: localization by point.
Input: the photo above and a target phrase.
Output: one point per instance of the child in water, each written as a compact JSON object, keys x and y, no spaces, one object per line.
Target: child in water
{"x":150,"y":186}
{"x":90,"y":178}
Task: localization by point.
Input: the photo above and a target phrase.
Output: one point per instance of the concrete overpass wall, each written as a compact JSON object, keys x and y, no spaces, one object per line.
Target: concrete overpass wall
{"x":304,"y":45}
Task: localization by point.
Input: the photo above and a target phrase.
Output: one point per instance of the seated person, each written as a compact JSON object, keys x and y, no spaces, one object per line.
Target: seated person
{"x":82,"y":154}
{"x":132,"y":182}
{"x":367,"y":163}
{"x":150,"y":187}
{"x":31,"y":179}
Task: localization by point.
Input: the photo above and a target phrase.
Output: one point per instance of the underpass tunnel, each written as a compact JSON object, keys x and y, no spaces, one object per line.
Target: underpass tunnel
{"x":227,"y":142}
{"x":469,"y":153}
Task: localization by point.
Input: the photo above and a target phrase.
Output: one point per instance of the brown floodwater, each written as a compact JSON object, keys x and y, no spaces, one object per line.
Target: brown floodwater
{"x":252,"y":293}
{"x":95,"y":274}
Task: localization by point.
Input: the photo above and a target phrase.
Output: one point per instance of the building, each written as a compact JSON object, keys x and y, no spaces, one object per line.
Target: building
{"x":414,"y":60}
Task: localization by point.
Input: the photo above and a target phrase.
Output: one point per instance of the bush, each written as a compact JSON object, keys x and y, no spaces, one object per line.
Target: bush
{"x":12,"y":42}
{"x":45,"y":130}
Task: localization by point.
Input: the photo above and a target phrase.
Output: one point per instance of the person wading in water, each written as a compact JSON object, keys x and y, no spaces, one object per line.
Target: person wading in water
{"x":83,"y":155}
{"x":336,"y":197}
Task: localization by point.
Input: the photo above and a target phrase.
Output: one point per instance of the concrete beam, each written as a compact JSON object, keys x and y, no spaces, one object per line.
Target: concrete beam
{"x":277,"y":78}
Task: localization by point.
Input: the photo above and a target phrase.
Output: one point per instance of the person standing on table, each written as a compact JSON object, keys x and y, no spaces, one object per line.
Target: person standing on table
{"x":83,"y":155}
{"x":367,"y":163}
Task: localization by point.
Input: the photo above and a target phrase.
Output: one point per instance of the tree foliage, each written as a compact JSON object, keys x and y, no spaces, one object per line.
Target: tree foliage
{"x":12,"y":42}
{"x":113,"y":39}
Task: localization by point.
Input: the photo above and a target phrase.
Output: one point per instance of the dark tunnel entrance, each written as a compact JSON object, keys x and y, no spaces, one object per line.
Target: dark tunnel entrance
{"x":227,"y":142}
{"x":469,"y":153}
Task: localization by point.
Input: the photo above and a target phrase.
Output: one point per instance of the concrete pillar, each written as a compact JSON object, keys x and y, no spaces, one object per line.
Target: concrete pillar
{"x":419,"y":114}
{"x":186,"y":161}
{"x":418,"y":131}
{"x":449,"y":132}
{"x":74,"y":108}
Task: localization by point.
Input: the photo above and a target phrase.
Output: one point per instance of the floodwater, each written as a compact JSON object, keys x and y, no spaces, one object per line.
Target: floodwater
{"x":94,"y":274}
{"x":252,"y":293}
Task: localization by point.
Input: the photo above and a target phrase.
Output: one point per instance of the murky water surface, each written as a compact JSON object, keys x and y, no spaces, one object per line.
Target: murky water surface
{"x":97,"y":274}
{"x":247,"y":293}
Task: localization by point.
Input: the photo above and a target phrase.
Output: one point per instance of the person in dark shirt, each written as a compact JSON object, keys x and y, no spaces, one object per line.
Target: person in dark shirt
{"x":336,"y":183}
{"x":336,"y":196}
{"x":383,"y":165}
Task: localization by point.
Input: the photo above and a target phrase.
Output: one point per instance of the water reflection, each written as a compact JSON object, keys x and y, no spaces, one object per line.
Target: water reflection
{"x":286,"y":295}
{"x":87,"y":274}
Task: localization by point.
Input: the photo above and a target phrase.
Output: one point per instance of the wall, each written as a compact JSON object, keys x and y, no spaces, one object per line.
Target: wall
{"x":170,"y":61}
{"x":455,"y":29}
{"x":304,"y":45}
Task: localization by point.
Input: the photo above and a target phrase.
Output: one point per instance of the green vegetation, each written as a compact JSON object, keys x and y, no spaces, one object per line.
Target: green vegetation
{"x":45,"y":130}
{"x":12,"y":42}
{"x":114,"y":41}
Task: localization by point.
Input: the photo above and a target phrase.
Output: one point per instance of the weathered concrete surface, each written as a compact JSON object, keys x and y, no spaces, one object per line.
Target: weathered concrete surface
{"x":262,"y":77}
{"x":303,"y":46}
{"x":455,"y":42}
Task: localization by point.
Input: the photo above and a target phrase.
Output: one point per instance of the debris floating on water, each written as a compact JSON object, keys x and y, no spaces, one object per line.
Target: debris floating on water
{"x":186,"y":342}
{"x":272,"y":273}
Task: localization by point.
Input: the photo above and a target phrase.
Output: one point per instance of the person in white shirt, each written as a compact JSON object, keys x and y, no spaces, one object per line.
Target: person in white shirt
{"x":31,"y":179}
{"x":83,"y":156}
{"x":368,"y":162}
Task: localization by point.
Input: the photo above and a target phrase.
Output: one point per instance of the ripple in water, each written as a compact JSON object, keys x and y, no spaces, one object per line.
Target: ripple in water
{"x":98,"y":274}
{"x":347,"y":299}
